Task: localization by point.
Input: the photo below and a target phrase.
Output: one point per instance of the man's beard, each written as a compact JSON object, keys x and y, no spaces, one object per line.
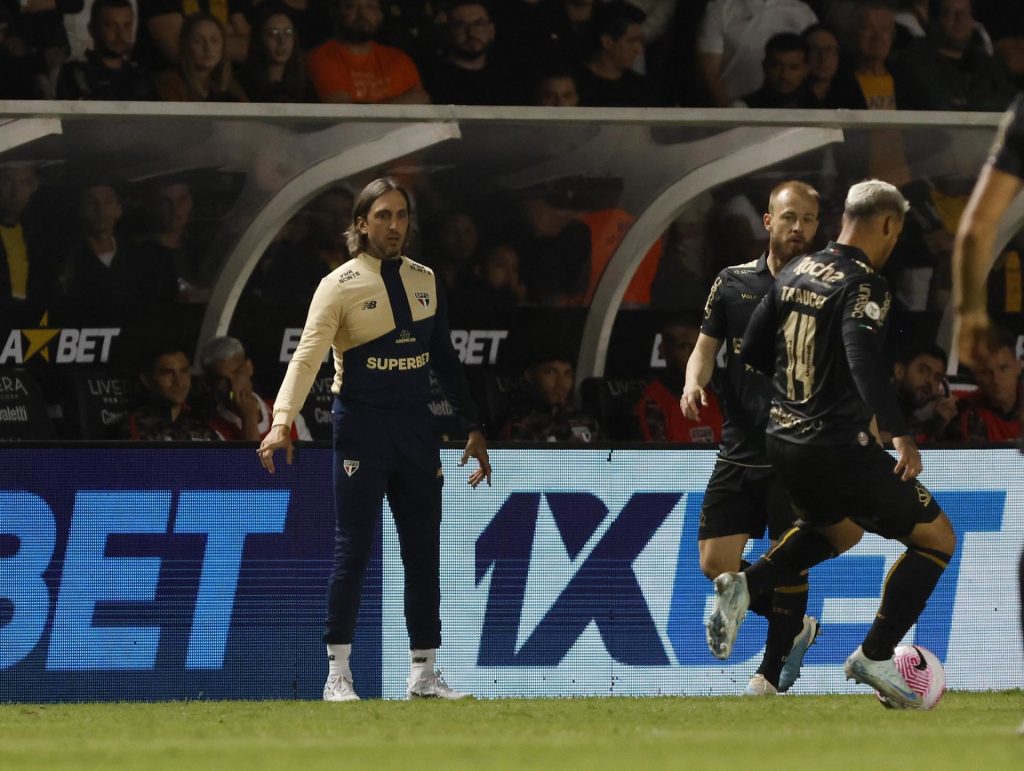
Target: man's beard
{"x":469,"y":55}
{"x":361,"y":34}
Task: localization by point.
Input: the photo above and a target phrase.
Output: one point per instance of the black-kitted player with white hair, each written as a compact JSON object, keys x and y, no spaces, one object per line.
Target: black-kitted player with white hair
{"x":819,"y":332}
{"x":385,"y":318}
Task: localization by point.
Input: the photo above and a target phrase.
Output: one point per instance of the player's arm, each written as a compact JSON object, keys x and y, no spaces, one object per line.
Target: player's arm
{"x":699,"y":368}
{"x":448,"y":368}
{"x":864,"y":314}
{"x":973,"y":254}
{"x":758,"y":347}
{"x":322,"y":322}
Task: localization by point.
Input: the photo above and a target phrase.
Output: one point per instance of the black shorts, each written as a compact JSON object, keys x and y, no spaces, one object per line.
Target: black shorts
{"x":744,"y":499}
{"x":829,"y":484}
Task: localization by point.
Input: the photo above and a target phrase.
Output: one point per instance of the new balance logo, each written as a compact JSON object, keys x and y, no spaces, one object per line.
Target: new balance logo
{"x":369,"y":305}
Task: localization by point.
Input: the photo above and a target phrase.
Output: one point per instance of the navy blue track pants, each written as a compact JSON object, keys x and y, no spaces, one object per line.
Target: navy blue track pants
{"x":377,"y":453}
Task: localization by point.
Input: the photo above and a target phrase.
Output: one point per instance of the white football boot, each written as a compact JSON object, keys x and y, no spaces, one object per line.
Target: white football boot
{"x":731,"y":603}
{"x":884,"y":677}
{"x":759,"y":686}
{"x":804,"y":640}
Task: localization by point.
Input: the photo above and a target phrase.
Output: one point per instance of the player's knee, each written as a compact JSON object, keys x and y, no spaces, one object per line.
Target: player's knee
{"x":713,"y":565}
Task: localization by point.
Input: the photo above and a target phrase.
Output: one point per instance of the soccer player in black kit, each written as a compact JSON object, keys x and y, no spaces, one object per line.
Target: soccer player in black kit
{"x":1000,"y":182}
{"x":819,"y":332}
{"x":744,"y":495}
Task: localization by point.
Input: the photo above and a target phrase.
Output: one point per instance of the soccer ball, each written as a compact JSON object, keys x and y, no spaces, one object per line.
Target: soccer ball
{"x":923,"y":672}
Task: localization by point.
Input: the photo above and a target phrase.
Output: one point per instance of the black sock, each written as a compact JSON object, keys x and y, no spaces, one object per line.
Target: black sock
{"x":797,"y":551}
{"x":906,"y":591}
{"x":789,"y":604}
{"x":762,"y":604}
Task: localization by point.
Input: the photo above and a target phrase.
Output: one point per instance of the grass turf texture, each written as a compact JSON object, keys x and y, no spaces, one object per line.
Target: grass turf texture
{"x":966,"y":731}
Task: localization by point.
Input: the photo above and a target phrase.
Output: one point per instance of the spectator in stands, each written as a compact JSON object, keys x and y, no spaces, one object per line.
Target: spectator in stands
{"x":553,"y":246}
{"x":79,"y":37}
{"x":176,"y":262}
{"x":162,"y":21}
{"x":875,"y":29}
{"x":27,"y":273}
{"x":165,"y":415}
{"x":1005,"y":24}
{"x":556,"y":87}
{"x":41,"y":24}
{"x":491,"y":287}
{"x":295,"y":269}
{"x":785,"y":75}
{"x":203,"y":73}
{"x":454,"y":241}
{"x":608,"y":79}
{"x":831,"y":83}
{"x":550,"y":415}
{"x":950,"y":69}
{"x":658,"y":416}
{"x":19,"y":66}
{"x":466,"y":72}
{"x":355,"y":68}
{"x":924,"y":393}
{"x":103,"y":273}
{"x":240,"y":414}
{"x":992,"y":413}
{"x":567,"y":31}
{"x":731,"y":41}
{"x":107,"y":71}
{"x":275,"y":70}
{"x":607,"y":228}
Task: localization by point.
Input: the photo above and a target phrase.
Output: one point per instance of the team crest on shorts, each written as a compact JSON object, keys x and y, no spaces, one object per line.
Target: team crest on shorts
{"x":423,"y":299}
{"x":350,"y":466}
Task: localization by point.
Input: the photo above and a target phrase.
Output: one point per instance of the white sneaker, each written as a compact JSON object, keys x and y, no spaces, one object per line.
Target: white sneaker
{"x":432,"y":686}
{"x":883,"y":677}
{"x":759,"y":686}
{"x":339,"y":688}
{"x":804,"y":640}
{"x":731,"y":603}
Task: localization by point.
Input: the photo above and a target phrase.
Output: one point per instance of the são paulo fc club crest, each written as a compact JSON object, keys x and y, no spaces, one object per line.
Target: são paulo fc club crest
{"x":350,"y":466}
{"x":423,"y":299}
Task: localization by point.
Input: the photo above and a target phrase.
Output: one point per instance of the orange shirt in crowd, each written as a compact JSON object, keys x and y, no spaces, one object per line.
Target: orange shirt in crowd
{"x":607,"y":229}
{"x":382,"y":74}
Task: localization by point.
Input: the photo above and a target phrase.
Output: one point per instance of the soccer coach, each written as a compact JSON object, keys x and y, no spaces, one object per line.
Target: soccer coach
{"x":386,"y":320}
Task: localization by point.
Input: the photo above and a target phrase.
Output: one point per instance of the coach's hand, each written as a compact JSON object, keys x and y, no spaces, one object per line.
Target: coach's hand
{"x":692,"y":400}
{"x":476,"y":447}
{"x":909,"y":464}
{"x":279,"y":436}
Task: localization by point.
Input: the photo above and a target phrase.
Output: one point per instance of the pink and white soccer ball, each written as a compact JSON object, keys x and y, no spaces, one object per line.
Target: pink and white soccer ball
{"x":923,"y":672}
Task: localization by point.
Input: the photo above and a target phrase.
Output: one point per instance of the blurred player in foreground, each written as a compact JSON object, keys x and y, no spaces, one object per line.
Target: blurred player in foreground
{"x":387,"y":322}
{"x":744,"y":495}
{"x":1000,"y":183}
{"x":820,"y":330}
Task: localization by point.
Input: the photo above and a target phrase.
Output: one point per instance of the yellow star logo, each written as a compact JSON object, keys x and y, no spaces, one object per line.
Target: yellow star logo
{"x":38,"y":339}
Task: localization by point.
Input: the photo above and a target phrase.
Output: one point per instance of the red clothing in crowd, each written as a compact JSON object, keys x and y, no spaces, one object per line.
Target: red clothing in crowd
{"x":979,"y":422}
{"x":661,"y":420}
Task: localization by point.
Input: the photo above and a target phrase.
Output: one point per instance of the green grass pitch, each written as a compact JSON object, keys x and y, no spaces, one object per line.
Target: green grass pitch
{"x":974,"y":731}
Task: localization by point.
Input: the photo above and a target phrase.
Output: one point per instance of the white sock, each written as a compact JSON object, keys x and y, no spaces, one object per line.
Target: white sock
{"x":421,"y":664}
{"x":337,"y":660}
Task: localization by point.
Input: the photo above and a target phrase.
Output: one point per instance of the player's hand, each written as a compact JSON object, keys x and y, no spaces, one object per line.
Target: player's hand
{"x":945,"y":407}
{"x":692,"y":400}
{"x":909,"y":465}
{"x":975,"y":338}
{"x":476,"y":447}
{"x":280,"y":436}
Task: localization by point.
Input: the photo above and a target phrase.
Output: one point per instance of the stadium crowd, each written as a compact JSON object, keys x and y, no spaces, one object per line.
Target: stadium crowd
{"x":131,"y":247}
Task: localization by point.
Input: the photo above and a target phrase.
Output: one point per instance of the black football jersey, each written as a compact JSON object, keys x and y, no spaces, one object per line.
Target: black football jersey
{"x":819,"y":331}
